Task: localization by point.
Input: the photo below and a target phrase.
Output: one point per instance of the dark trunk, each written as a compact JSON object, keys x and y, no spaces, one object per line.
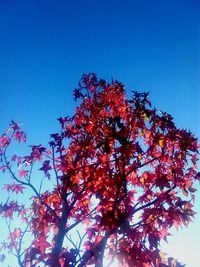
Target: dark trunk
{"x":55,"y":256}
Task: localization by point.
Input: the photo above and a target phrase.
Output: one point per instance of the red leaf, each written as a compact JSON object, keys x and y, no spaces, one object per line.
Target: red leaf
{"x":17,"y":188}
{"x":23,"y":173}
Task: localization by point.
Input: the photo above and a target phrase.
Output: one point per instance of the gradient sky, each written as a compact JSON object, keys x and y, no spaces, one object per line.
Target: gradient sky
{"x":45,"y":47}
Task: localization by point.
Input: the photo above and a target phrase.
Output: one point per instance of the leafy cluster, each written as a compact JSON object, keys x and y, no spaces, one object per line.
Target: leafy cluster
{"x":117,"y":177}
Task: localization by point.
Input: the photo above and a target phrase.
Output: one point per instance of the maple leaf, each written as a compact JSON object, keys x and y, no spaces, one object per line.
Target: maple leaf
{"x":42,"y":244}
{"x":164,"y":233}
{"x":46,"y":166}
{"x":23,"y":173}
{"x":4,"y":141}
{"x":163,"y":182}
{"x":14,"y":157}
{"x":77,"y":94}
{"x":20,"y":136}
{"x":16,"y":233}
{"x":14,"y":125}
{"x":14,"y":188}
{"x":18,"y":188}
{"x":8,"y":213}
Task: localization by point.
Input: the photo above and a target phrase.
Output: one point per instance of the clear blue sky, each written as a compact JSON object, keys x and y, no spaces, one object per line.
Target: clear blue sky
{"x":45,"y":47}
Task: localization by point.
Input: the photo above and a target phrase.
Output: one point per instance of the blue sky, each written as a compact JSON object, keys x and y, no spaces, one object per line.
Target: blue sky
{"x":151,"y":46}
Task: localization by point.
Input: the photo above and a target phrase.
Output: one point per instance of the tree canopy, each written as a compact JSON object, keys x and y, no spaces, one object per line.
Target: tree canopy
{"x":109,"y":185}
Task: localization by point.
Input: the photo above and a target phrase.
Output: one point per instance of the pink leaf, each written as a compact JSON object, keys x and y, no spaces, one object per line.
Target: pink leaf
{"x":23,"y":173}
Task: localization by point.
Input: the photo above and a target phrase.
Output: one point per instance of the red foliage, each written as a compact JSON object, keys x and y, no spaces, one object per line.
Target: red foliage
{"x":120,"y":175}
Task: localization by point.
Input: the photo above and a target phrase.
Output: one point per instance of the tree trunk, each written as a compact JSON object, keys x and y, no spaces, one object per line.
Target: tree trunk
{"x":55,"y":256}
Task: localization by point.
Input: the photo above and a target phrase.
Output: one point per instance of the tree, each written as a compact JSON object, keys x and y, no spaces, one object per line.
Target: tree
{"x":115,"y":179}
